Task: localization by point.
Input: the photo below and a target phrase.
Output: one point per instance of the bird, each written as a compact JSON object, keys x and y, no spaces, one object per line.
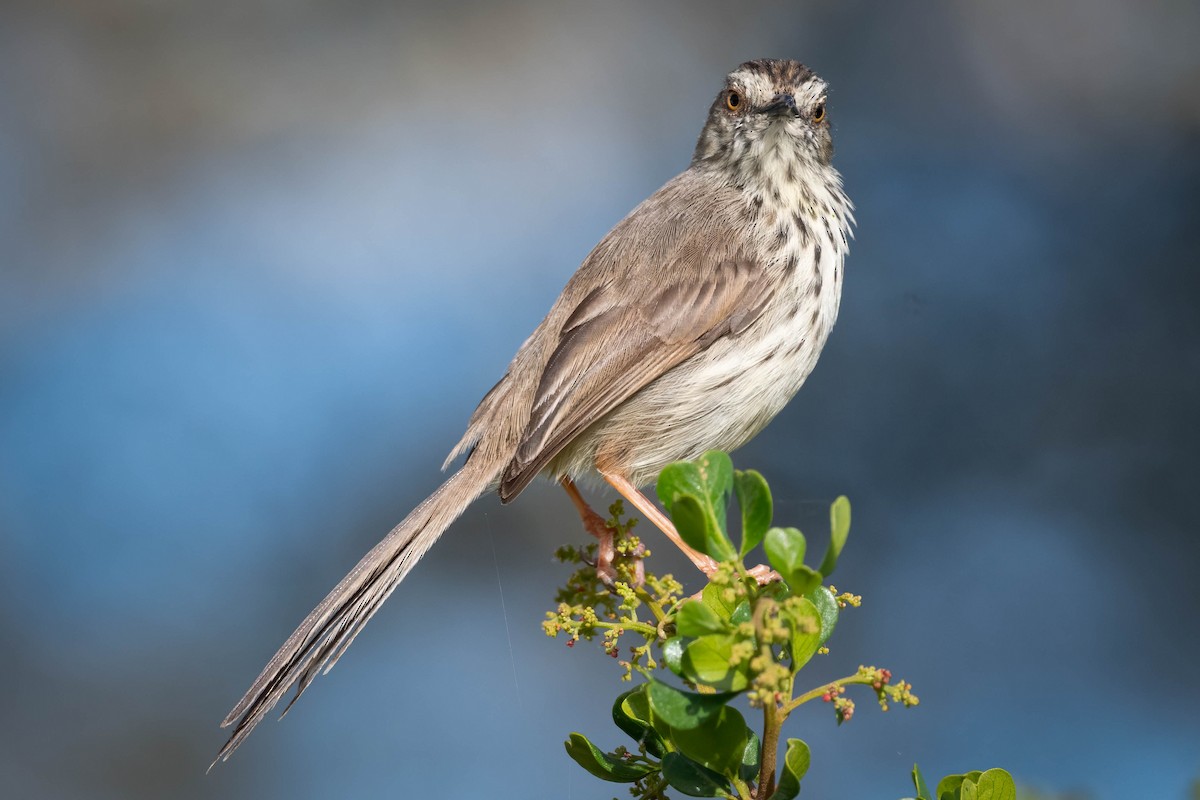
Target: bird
{"x":686,"y":329}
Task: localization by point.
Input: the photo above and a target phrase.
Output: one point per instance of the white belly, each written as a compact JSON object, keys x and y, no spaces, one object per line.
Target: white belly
{"x":722,"y":397}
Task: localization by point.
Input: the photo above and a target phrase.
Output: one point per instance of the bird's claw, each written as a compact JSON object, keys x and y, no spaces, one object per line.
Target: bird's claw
{"x":764,"y":574}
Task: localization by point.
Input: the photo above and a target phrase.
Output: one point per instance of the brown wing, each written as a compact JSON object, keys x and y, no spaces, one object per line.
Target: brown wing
{"x":613,"y":345}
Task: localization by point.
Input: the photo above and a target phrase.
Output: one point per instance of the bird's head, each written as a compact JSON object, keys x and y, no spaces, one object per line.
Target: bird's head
{"x":770,"y":111}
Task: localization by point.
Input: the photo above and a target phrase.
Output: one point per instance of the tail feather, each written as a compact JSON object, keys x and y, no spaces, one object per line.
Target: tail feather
{"x":321,"y":639}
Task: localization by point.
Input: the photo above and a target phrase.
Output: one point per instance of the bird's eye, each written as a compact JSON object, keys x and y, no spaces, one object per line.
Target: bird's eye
{"x":819,"y":112}
{"x":733,"y":100}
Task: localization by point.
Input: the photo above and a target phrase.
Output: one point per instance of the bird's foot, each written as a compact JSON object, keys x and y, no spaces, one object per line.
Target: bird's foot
{"x":764,"y":574}
{"x":606,"y":549}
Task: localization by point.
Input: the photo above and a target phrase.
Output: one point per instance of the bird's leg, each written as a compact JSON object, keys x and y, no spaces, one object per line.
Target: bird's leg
{"x":762,"y":573}
{"x":594,"y":524}
{"x":652,"y":513}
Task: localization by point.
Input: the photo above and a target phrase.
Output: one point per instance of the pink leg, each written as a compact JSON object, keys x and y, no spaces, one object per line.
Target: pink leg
{"x":762,"y":573}
{"x":652,"y":513}
{"x":594,"y":524}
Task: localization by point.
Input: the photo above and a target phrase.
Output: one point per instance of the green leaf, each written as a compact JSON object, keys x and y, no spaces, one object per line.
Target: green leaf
{"x":949,"y":787}
{"x":719,"y":743}
{"x":714,"y":597}
{"x":785,"y":550}
{"x":698,"y":527}
{"x":605,"y":765}
{"x":754,"y":500}
{"x":692,"y":779}
{"x":709,"y":479}
{"x":695,"y":618}
{"x":684,"y":710}
{"x":999,"y":786}
{"x":805,"y":580}
{"x":672,"y":650}
{"x":716,"y":470}
{"x":995,"y":784}
{"x":827,"y":607}
{"x":751,"y":758}
{"x":631,"y":713}
{"x":795,"y":764}
{"x":805,"y":623}
{"x":920,"y":785}
{"x":839,"y":527}
{"x":679,"y":480}
{"x":776,"y":590}
{"x":743,"y":613}
{"x":706,"y":661}
{"x":694,"y":496}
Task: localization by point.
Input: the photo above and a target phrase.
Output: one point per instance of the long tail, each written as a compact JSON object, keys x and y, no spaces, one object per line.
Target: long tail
{"x":325,"y":633}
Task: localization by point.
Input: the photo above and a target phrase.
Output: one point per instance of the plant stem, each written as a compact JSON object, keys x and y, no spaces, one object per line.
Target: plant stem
{"x":849,"y":680}
{"x":639,"y":627}
{"x":652,"y":604}
{"x":772,"y":723}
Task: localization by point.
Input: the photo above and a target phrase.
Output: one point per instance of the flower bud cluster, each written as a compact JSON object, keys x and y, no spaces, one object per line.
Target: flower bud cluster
{"x":843,"y":706}
{"x":587,"y":606}
{"x":887,"y":692}
{"x":845,"y":598}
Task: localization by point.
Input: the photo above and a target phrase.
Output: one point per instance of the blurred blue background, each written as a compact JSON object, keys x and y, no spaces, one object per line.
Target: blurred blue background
{"x":260,"y":260}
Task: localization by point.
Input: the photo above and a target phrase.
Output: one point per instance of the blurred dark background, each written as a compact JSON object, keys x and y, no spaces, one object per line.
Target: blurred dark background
{"x":258,"y":261}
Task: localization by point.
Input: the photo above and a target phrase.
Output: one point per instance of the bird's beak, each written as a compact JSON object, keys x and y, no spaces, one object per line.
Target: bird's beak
{"x":782,"y":105}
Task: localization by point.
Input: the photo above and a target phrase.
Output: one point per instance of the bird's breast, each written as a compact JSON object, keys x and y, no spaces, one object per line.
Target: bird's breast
{"x":724,"y":395}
